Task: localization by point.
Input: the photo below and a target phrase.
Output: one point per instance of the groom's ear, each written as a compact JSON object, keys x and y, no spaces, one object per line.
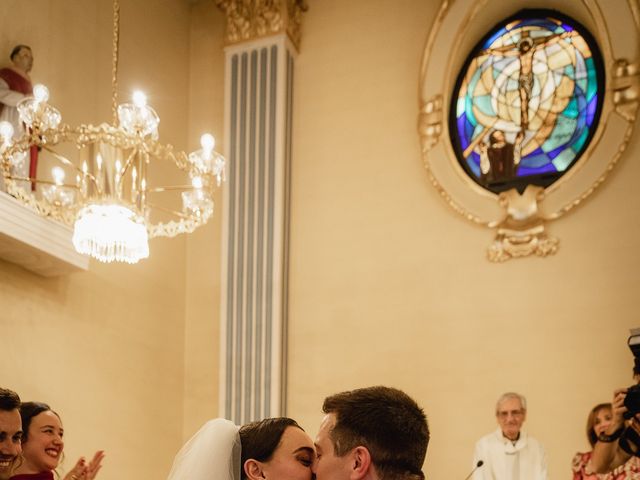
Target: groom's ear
{"x":253,"y":469}
{"x":361,"y":463}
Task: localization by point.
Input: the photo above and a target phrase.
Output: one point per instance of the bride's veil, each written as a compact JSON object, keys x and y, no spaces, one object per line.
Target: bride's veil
{"x":213,"y":453}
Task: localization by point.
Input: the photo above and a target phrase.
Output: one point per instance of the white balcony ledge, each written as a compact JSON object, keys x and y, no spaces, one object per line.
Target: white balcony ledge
{"x":38,"y":244}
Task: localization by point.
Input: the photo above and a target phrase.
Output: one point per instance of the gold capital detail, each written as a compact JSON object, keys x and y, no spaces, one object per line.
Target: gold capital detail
{"x":252,"y":19}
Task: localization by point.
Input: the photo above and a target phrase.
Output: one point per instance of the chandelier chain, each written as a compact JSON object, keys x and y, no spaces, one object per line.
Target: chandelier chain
{"x":114,"y":61}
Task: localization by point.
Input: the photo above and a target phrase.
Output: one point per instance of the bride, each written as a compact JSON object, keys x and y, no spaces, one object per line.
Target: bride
{"x":271,"y":449}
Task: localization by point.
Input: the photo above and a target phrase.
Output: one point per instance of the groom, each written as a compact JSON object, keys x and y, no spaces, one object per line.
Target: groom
{"x":375,"y":433}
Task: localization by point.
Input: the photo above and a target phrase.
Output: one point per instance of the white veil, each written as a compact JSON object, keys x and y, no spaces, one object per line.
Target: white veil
{"x":213,"y":453}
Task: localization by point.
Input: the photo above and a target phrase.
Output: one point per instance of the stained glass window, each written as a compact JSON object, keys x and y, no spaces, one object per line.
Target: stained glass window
{"x":527,"y":101}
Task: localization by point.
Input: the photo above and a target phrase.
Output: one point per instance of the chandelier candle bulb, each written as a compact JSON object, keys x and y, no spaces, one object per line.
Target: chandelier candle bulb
{"x":118,"y":179}
{"x":143,"y":190}
{"x":6,"y":132}
{"x":40,"y":93}
{"x":83,"y":184}
{"x":208,"y":143}
{"x":139,"y":99}
{"x":58,"y":175}
{"x":134,"y":190}
{"x":99,"y":175}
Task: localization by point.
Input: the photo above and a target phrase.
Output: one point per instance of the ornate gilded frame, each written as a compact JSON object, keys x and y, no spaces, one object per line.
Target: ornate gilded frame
{"x":519,"y":219}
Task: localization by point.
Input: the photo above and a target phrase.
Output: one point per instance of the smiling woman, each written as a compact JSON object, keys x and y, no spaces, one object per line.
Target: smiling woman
{"x":43,"y":446}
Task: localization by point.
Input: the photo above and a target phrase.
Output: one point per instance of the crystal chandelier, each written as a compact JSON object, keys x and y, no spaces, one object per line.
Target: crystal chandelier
{"x":105,"y":180}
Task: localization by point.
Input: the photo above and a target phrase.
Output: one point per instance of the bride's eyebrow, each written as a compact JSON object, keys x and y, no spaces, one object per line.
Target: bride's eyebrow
{"x":304,"y":449}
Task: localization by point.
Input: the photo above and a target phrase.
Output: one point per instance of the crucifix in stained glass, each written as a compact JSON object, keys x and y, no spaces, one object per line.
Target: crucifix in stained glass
{"x":527,"y":101}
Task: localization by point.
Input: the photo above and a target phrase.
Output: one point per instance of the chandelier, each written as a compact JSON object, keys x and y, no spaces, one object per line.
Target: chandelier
{"x":106,"y":180}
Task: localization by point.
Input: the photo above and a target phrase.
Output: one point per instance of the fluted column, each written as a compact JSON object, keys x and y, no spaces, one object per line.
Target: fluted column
{"x":261,"y":46}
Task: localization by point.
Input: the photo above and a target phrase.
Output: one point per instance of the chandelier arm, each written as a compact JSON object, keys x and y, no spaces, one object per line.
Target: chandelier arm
{"x":167,"y":210}
{"x":44,"y":182}
{"x":64,"y":160}
{"x":14,"y":178}
{"x":129,"y":162}
{"x":167,"y":188}
{"x":114,"y":60}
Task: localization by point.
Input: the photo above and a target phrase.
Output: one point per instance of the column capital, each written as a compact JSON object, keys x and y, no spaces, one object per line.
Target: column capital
{"x":252,"y":19}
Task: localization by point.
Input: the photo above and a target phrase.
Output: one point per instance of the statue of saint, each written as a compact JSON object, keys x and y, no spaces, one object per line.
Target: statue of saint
{"x":15,"y":85}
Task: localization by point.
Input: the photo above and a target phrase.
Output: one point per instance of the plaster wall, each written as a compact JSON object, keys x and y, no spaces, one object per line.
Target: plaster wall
{"x":105,"y":348}
{"x":204,"y":249}
{"x":390,"y":286}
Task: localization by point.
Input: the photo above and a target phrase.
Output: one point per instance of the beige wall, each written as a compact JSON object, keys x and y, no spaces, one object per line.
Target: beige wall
{"x":204,"y":246}
{"x":105,"y":348}
{"x":390,"y":286}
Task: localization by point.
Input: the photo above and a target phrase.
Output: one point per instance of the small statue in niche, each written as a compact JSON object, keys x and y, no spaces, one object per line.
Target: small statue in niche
{"x":15,"y":85}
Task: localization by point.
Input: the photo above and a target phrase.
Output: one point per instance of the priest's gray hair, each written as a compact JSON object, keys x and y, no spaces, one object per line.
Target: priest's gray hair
{"x":506,"y":396}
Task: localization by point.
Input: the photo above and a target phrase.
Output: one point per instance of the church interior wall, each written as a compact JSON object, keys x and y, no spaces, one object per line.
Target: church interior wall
{"x":105,"y":348}
{"x":388,"y":285}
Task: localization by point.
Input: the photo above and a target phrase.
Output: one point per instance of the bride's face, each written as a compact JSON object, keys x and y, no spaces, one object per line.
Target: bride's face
{"x":293,"y":458}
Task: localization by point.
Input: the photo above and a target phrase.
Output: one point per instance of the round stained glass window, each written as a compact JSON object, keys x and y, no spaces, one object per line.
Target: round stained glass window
{"x":527,"y":101}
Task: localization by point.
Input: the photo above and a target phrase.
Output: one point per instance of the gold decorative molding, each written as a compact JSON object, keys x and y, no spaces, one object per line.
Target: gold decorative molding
{"x":252,"y":19}
{"x":521,"y":232}
{"x":626,"y":89}
{"x":519,"y":219}
{"x":430,"y":122}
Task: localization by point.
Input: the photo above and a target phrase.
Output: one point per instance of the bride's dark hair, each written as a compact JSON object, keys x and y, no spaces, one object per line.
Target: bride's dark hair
{"x":260,"y":439}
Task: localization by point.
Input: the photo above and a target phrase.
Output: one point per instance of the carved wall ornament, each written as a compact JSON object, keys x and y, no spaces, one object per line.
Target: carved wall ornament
{"x":252,"y":19}
{"x":522,"y":116}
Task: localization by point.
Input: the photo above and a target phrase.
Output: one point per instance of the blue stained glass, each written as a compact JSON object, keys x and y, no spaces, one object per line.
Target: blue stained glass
{"x":591,"y":108}
{"x":475,"y":166}
{"x":469,"y":111}
{"x":483,"y":102}
{"x":579,"y":143}
{"x":469,"y":128}
{"x":561,"y":134}
{"x":491,"y":40}
{"x":563,"y":160}
{"x":537,"y":151}
{"x":570,"y":71}
{"x":547,"y":168}
{"x":464,"y":139}
{"x":544,"y":23}
{"x":572,"y":109}
{"x":554,"y":153}
{"x":592,"y":83}
{"x":535,"y":161}
{"x":562,"y":99}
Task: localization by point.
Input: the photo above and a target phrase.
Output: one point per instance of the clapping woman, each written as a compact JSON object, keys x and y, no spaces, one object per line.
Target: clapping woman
{"x":43,"y":447}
